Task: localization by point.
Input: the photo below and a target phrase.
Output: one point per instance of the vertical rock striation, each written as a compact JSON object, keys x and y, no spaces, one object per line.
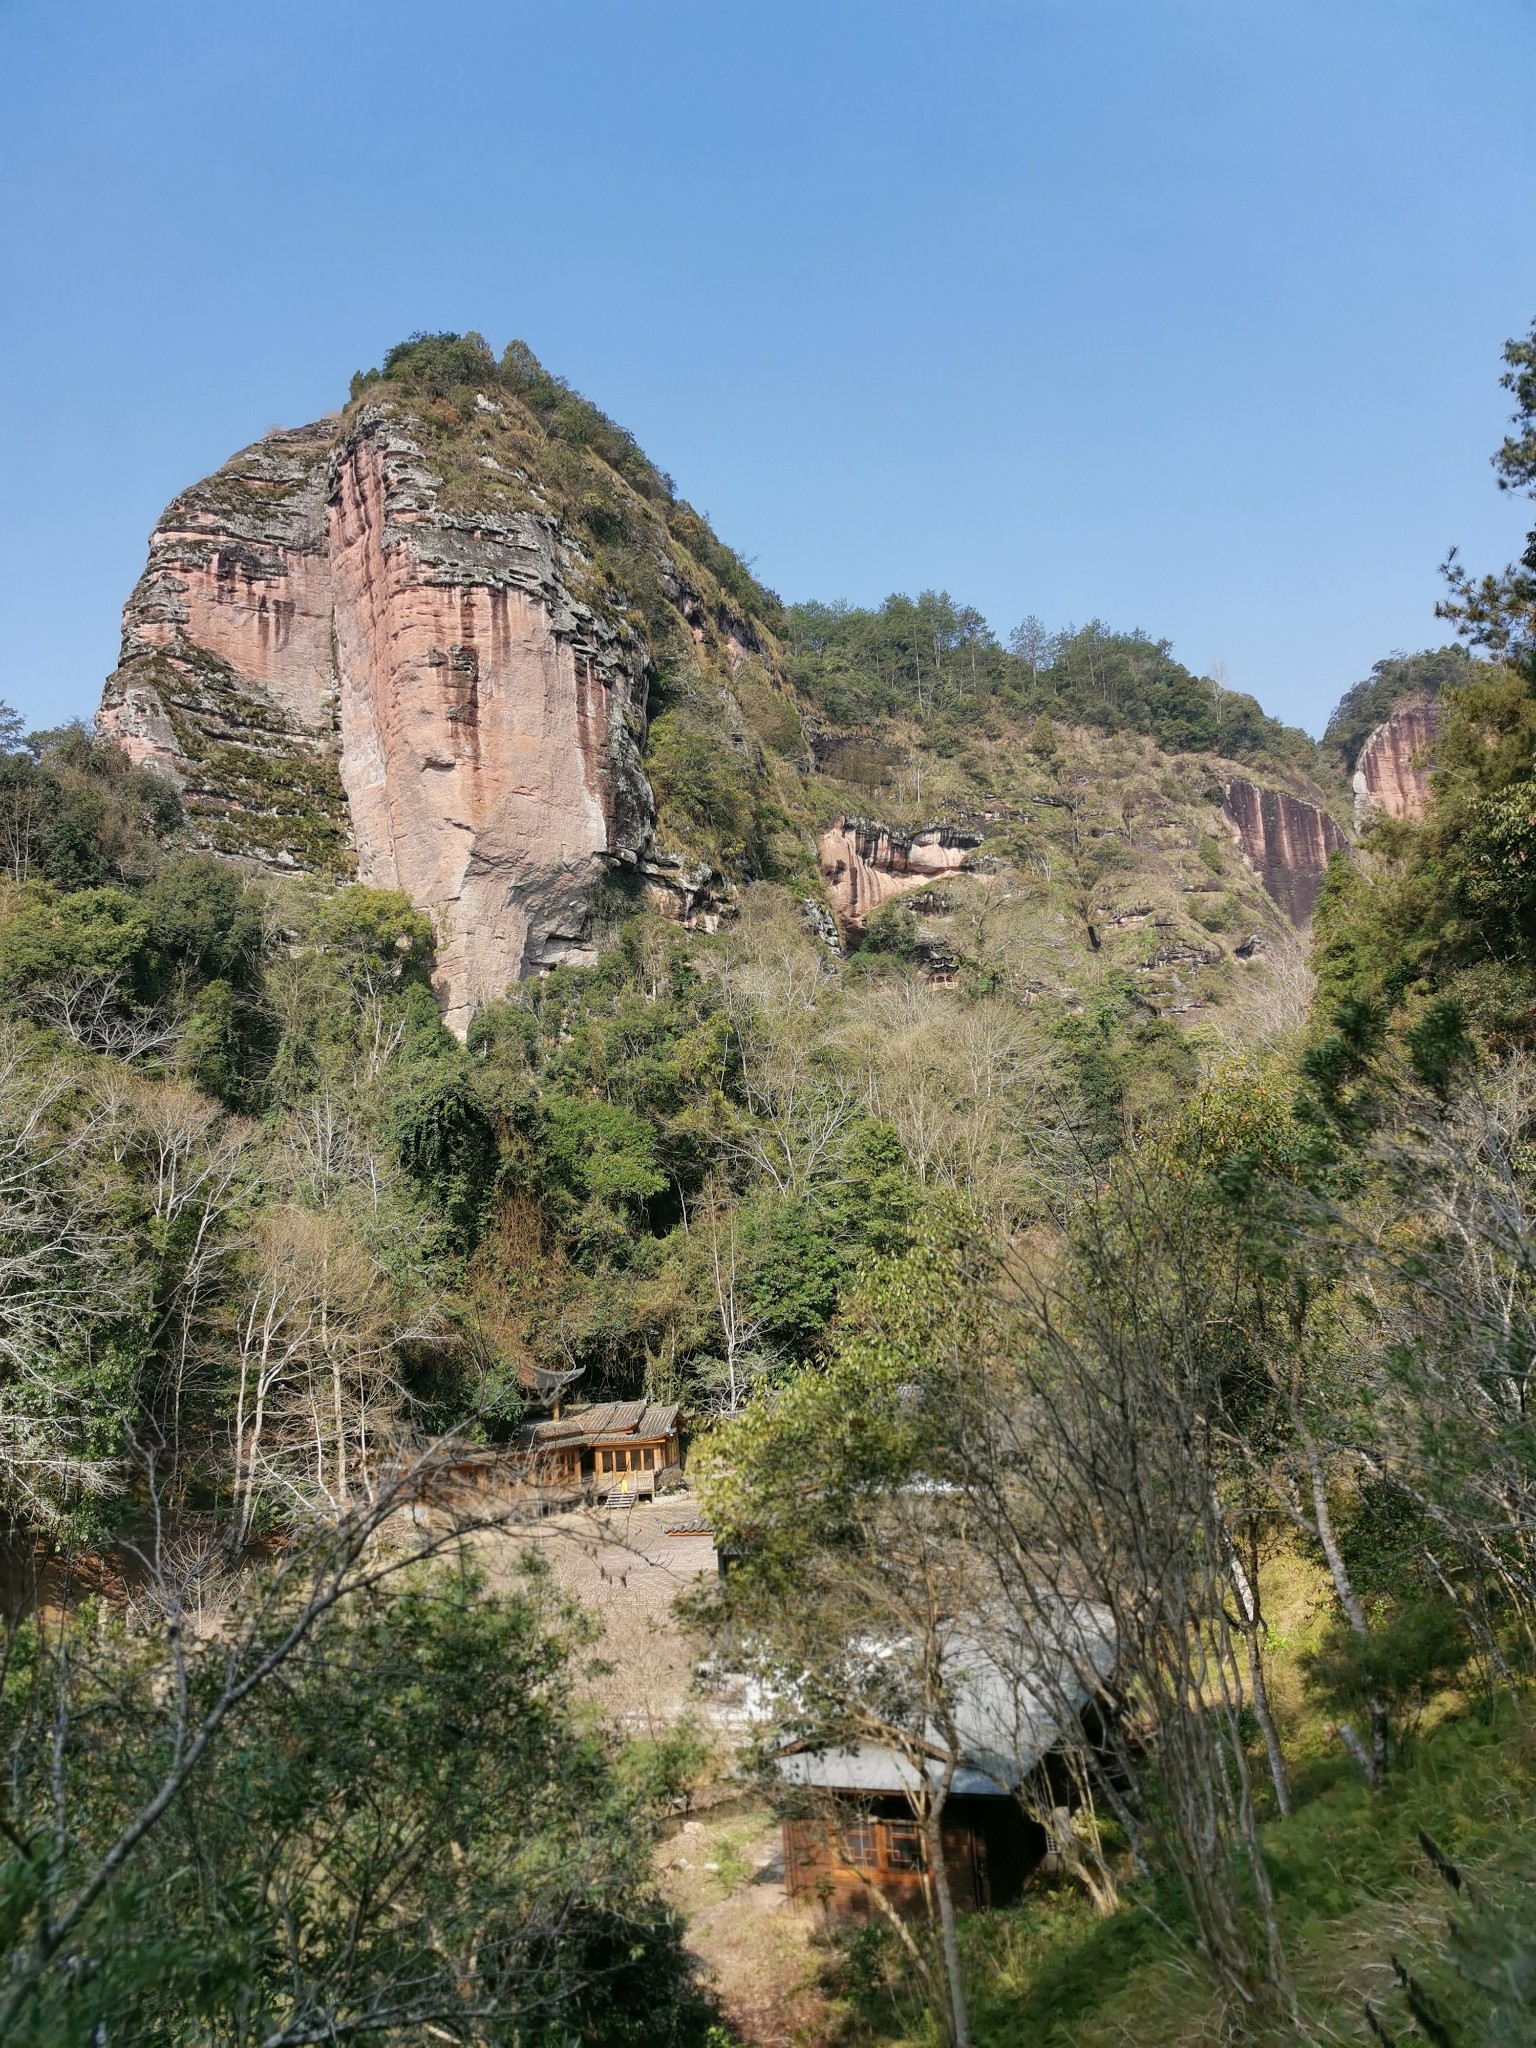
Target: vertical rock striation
{"x":226,"y":678}
{"x":344,"y":676}
{"x":490,"y":723}
{"x":1392,"y":774}
{"x":1285,"y":840}
{"x":864,"y":864}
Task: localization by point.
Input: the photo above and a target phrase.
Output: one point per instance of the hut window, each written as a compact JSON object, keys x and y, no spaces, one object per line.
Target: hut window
{"x":650,"y":1461}
{"x":607,"y":1461}
{"x":862,"y":1846}
{"x":903,"y":1849}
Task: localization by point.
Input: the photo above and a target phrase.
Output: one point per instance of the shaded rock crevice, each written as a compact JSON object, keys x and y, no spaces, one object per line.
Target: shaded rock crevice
{"x":864,"y":864}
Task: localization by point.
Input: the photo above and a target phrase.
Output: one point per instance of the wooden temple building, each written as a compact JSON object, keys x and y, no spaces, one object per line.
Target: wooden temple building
{"x":605,"y":1448}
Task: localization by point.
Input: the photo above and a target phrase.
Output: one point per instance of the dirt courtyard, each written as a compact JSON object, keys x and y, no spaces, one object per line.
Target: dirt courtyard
{"x":626,"y":1564}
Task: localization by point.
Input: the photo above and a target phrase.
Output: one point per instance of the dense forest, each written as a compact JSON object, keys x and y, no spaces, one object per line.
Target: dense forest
{"x":984,"y":1292}
{"x":940,"y":662}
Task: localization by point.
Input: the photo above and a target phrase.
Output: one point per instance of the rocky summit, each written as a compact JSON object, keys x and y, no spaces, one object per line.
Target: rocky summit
{"x":379,"y":646}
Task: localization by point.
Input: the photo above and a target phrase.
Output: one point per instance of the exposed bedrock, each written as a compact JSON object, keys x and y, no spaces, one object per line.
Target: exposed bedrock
{"x":342,"y":676}
{"x":1285,"y":840}
{"x":1395,"y":765}
{"x":865,"y":864}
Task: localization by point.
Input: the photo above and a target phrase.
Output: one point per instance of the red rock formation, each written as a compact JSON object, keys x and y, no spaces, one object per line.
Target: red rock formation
{"x":488,"y":732}
{"x":225,"y":679}
{"x":865,"y":864}
{"x":1285,"y":840}
{"x":328,"y":664}
{"x":1394,"y":768}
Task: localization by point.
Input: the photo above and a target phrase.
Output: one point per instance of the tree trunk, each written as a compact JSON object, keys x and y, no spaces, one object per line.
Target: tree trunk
{"x":1374,"y":1761}
{"x":1252,"y":1624}
{"x":959,"y":2018}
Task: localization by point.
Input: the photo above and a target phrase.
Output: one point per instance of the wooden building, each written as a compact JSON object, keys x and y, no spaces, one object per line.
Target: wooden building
{"x":990,"y":1848}
{"x":852,"y":1813}
{"x":606,"y":1448}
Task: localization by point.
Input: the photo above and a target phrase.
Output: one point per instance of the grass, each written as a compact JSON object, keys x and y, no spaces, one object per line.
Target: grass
{"x":1354,"y":1888}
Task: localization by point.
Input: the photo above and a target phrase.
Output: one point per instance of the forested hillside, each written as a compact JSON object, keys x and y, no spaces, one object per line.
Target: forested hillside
{"x":1052,"y":1244}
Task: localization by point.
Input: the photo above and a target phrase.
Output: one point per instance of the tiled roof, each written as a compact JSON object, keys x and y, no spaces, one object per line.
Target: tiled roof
{"x":607,"y":1422}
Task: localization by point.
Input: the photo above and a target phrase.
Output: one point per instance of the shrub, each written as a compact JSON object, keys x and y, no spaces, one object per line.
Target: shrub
{"x":202,"y":913}
{"x":99,"y":933}
{"x":1407,"y":1658}
{"x":892,"y":930}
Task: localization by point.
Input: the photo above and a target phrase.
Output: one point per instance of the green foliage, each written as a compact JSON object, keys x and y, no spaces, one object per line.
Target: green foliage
{"x":205,"y":916}
{"x":1400,"y":679}
{"x":1406,"y":1659}
{"x":1350,"y":1873}
{"x":99,"y":933}
{"x":1126,"y":1064}
{"x":603,"y":1150}
{"x":779,"y":1479}
{"x":1499,"y":611}
{"x":713,"y":791}
{"x":376,"y":936}
{"x":411,"y":1829}
{"x":439,"y":1127}
{"x":1447,"y":908}
{"x":74,"y":812}
{"x":437,"y":365}
{"x":211,"y":1052}
{"x":892,"y":930}
{"x":662,"y":1770}
{"x":796,"y":1263}
{"x":932,"y":659}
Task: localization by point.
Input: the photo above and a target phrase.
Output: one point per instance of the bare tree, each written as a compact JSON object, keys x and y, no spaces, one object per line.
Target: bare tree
{"x":979,"y":1108}
{"x":1032,"y":643}
{"x":318,"y":1399}
{"x":1095,"y":1458}
{"x":93,"y":1012}
{"x":65,"y":1273}
{"x":743,"y":1356}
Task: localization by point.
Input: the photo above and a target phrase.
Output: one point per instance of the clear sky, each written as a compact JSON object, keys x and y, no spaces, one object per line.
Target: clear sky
{"x":1181,"y":313}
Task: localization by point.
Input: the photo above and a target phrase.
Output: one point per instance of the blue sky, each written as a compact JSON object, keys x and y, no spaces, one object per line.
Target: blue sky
{"x":1182,"y":313}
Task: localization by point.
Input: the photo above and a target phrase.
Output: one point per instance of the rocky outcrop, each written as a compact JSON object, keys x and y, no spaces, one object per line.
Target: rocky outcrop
{"x":490,"y":723}
{"x":343,"y":675}
{"x":865,"y":864}
{"x":1285,"y":840}
{"x":226,"y":679}
{"x":1392,"y":774}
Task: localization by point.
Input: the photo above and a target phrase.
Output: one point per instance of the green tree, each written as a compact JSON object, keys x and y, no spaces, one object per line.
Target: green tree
{"x":401,"y":1825}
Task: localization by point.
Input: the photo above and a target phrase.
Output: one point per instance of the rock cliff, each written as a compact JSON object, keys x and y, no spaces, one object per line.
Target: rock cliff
{"x":864,"y":864}
{"x":383,"y":646}
{"x":1393,"y":772}
{"x":1285,"y":840}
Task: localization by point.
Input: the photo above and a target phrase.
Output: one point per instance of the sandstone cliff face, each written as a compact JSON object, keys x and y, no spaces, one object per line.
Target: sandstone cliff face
{"x":344,"y":675}
{"x":1393,"y":772}
{"x":226,"y":678}
{"x":1285,"y":840}
{"x":865,"y":864}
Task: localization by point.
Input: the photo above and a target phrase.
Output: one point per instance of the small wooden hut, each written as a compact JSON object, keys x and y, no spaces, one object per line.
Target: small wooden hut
{"x":851,"y":1825}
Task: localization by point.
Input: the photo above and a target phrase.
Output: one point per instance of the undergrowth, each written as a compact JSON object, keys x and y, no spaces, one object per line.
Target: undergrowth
{"x":1355,"y":1885}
